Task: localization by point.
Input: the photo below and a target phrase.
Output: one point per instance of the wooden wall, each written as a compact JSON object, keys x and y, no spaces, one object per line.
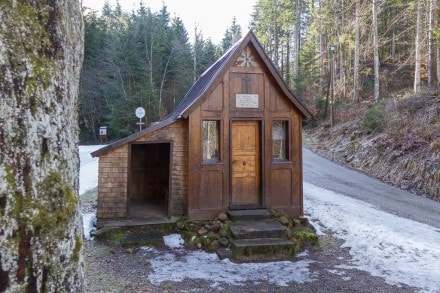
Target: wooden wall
{"x":112,"y":184}
{"x":209,"y":186}
{"x":114,"y":178}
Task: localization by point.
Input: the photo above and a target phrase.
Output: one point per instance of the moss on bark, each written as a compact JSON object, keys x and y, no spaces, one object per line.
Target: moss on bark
{"x":41,"y":49}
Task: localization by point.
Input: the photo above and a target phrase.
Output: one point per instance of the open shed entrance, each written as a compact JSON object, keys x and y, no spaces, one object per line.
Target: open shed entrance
{"x":149,"y":181}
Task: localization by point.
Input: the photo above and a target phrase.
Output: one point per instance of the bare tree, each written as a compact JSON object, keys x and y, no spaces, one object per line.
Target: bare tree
{"x":375,"y":51}
{"x":296,"y":38}
{"x":432,"y":62}
{"x":356,"y":56}
{"x":41,"y":52}
{"x":418,"y":55}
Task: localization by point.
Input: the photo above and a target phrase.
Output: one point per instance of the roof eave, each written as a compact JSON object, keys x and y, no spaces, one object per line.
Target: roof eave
{"x":133,"y":137}
{"x":237,"y":48}
{"x":271,"y":67}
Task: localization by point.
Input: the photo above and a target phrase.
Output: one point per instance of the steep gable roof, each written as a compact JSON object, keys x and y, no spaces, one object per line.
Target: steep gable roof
{"x":208,"y":80}
{"x":205,"y":84}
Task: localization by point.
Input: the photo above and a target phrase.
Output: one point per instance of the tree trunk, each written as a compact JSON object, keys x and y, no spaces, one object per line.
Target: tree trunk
{"x":288,"y":77}
{"x":276,"y":45}
{"x":356,"y":57}
{"x":418,"y":57}
{"x":432,"y":63}
{"x":438,"y":67}
{"x":437,"y":24}
{"x":342,"y":77}
{"x":41,"y":51}
{"x":393,"y":35}
{"x":375,"y":52}
{"x":322,"y":55}
{"x":296,"y":41}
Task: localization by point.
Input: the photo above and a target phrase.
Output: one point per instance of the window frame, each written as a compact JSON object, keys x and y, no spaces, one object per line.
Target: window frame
{"x":217,"y":159}
{"x":286,"y":141}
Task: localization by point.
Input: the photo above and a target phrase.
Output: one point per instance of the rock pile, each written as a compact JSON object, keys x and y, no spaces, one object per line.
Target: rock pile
{"x":209,"y":235}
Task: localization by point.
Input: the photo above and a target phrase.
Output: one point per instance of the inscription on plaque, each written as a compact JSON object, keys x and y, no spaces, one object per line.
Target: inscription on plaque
{"x":246,"y":101}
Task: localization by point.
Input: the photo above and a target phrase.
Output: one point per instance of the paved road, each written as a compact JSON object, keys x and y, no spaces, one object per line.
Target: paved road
{"x":329,"y":175}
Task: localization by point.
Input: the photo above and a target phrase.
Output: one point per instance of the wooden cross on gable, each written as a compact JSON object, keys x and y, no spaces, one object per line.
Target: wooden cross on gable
{"x":246,"y":85}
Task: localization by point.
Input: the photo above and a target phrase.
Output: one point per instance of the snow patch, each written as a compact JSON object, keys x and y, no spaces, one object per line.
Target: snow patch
{"x":175,"y":267}
{"x":89,"y":222}
{"x":399,"y":250}
{"x":88,"y":179}
{"x":148,"y":249}
{"x":173,"y":241}
{"x":305,"y":253}
{"x":88,"y":168}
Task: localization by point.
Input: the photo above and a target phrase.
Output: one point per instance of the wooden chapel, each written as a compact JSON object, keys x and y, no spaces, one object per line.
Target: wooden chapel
{"x":233,"y":142}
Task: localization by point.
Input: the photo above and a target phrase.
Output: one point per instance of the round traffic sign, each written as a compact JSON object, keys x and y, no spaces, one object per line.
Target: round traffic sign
{"x":140,"y":112}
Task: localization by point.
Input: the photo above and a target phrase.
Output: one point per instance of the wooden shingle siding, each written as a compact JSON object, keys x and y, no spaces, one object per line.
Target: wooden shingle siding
{"x":112,"y":184}
{"x":113,"y":173}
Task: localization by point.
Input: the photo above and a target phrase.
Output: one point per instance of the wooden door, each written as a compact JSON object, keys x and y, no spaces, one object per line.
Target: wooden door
{"x":245,"y":164}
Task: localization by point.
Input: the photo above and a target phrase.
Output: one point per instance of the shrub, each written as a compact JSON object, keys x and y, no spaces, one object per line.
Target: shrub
{"x":374,"y":118}
{"x":320,"y":106}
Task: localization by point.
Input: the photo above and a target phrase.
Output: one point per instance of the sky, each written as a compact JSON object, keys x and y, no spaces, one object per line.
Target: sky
{"x":211,"y":17}
{"x":399,"y":250}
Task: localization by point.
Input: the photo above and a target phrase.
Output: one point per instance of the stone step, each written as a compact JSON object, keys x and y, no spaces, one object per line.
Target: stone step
{"x":242,"y":215}
{"x":262,"y":249}
{"x":257,"y":229}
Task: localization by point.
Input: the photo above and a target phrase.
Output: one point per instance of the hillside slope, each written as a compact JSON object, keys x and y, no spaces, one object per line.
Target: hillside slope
{"x":396,"y":141}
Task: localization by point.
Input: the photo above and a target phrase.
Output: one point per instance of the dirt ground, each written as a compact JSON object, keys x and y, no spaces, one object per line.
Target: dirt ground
{"x":112,"y":268}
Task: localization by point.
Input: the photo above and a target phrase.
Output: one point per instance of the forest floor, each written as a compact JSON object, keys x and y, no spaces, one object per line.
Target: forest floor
{"x":396,"y":141}
{"x":112,"y":268}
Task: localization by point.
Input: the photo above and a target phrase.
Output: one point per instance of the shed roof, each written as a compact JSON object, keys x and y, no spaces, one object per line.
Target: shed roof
{"x":205,"y":84}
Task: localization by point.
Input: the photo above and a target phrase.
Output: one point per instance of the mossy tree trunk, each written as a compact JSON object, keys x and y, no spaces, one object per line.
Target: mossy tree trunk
{"x":41,"y":51}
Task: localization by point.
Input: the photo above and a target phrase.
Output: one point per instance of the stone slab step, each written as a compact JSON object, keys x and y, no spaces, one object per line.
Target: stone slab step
{"x":241,"y":215}
{"x":262,"y":248}
{"x":257,"y":229}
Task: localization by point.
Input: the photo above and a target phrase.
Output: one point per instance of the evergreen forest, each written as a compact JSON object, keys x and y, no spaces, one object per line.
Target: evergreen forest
{"x":332,"y":53}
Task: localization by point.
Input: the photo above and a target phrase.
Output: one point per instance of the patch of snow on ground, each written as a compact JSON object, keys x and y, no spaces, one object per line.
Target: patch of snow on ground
{"x":88,"y":179}
{"x":89,"y":221}
{"x":88,"y":168}
{"x":173,"y":241}
{"x":385,"y":245}
{"x":176,"y":267}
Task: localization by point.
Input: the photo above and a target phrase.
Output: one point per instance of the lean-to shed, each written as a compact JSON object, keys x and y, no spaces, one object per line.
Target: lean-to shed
{"x":233,"y":142}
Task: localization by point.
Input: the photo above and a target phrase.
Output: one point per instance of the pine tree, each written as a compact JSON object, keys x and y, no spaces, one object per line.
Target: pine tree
{"x":232,"y":35}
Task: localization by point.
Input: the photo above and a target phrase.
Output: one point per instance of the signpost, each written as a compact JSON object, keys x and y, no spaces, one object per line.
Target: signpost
{"x":103,"y":133}
{"x":140,"y":113}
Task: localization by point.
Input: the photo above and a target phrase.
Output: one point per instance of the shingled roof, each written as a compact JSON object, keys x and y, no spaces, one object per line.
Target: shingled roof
{"x":205,"y":84}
